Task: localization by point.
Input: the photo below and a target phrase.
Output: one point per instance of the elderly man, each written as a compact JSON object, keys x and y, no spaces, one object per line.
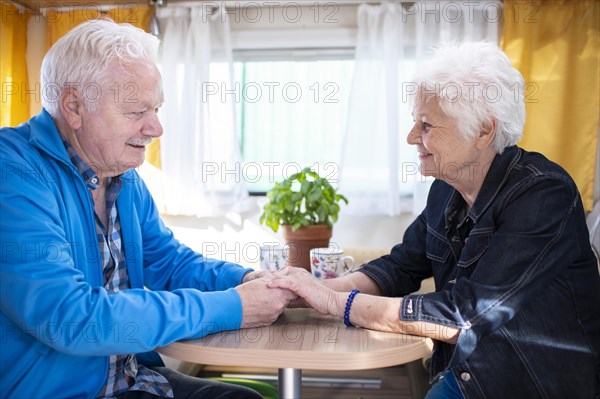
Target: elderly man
{"x":81,"y":238}
{"x":516,"y":312}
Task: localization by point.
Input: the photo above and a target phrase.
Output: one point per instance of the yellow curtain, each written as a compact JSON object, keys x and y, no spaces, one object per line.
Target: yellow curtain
{"x":555,"y":44}
{"x":14,"y":105}
{"x":60,"y":23}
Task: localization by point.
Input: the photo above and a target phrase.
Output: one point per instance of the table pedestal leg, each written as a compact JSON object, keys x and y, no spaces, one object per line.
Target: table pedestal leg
{"x":290,"y":384}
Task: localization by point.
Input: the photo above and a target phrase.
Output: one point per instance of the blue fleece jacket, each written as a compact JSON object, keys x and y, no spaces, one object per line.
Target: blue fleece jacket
{"x":58,"y":325}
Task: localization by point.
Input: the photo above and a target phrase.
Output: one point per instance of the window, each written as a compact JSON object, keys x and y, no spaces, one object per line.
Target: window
{"x":293,"y":65}
{"x":292,"y":113}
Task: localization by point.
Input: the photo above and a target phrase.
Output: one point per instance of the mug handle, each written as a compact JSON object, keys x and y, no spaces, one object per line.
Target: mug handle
{"x":348,"y":268}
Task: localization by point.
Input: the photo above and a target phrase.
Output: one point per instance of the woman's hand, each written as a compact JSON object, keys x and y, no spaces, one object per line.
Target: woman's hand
{"x":312,"y":291}
{"x":368,"y":311}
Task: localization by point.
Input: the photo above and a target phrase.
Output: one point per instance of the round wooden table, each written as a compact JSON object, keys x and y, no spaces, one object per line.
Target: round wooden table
{"x":301,"y":339}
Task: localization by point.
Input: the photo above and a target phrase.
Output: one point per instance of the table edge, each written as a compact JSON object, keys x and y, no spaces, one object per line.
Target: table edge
{"x":297,"y":359}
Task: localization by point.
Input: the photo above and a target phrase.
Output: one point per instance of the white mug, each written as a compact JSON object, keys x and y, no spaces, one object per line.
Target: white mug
{"x":330,"y":263}
{"x":273,"y":257}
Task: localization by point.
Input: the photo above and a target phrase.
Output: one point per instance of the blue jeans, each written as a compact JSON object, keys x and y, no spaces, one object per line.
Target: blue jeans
{"x":445,"y":388}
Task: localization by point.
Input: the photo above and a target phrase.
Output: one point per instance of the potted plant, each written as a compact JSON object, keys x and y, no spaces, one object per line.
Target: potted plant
{"x":306,"y":206}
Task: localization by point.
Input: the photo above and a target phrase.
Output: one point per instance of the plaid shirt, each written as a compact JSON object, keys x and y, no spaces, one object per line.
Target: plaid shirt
{"x":124,"y":373}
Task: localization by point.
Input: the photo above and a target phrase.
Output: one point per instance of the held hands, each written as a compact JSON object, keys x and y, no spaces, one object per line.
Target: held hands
{"x":261,"y":305}
{"x":314,"y":293}
{"x":266,"y":294}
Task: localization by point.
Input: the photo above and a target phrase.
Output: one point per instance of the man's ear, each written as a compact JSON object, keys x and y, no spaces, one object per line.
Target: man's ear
{"x":487,"y":134}
{"x":71,"y":105}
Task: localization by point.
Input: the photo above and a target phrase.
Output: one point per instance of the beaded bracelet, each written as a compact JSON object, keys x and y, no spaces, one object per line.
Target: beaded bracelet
{"x":348,"y":306}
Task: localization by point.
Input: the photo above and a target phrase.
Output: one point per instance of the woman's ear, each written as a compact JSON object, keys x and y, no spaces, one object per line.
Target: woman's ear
{"x":487,"y":134}
{"x":71,"y":105}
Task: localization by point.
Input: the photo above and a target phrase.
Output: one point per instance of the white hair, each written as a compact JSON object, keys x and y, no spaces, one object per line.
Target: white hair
{"x":474,"y":83}
{"x":82,"y":57}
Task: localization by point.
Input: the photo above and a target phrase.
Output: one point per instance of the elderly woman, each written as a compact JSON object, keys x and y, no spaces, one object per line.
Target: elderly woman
{"x":516,"y":312}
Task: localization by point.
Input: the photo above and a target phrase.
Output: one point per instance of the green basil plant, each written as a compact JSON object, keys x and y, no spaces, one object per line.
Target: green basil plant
{"x":303,"y":199}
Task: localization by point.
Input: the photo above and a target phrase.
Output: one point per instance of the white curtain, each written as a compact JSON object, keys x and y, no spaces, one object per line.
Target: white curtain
{"x":200,"y":152}
{"x":379,"y":170}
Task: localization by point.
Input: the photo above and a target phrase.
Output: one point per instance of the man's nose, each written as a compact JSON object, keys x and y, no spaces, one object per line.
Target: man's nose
{"x":153,"y":127}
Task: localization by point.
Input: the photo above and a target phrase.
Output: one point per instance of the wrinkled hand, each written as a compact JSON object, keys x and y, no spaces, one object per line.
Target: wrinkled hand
{"x":253,"y":275}
{"x":262,"y":305}
{"x":309,"y":289}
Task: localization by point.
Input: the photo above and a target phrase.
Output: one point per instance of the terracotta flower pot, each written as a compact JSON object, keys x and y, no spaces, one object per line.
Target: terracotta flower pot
{"x":301,"y":241}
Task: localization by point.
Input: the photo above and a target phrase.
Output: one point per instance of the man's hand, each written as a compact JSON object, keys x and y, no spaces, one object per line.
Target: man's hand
{"x":261,"y":305}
